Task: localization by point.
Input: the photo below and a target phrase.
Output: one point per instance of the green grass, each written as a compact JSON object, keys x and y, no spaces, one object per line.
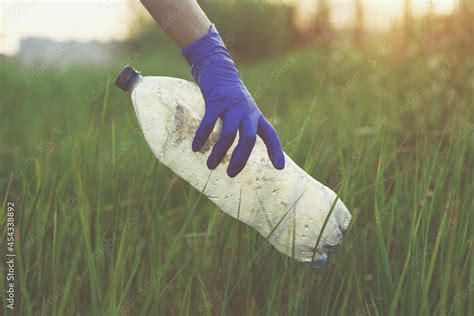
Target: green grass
{"x":103,"y":227}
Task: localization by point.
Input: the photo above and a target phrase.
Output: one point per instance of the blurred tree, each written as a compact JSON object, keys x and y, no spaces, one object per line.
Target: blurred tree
{"x":324,"y":28}
{"x":252,"y":28}
{"x":430,"y":7}
{"x":429,"y":13}
{"x":408,"y":18}
{"x":466,"y":7}
{"x":428,"y":26}
{"x":324,"y":10}
{"x":359,"y":23}
{"x":464,"y":24}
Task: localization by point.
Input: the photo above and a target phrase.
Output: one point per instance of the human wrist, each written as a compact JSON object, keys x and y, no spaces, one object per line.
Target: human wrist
{"x":204,"y":51}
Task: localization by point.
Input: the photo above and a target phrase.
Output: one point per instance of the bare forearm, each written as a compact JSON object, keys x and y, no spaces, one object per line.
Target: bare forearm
{"x":183,"y":20}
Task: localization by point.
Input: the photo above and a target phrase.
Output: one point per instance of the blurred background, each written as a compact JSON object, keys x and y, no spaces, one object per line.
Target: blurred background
{"x":372,"y":98}
{"x":93,"y":29}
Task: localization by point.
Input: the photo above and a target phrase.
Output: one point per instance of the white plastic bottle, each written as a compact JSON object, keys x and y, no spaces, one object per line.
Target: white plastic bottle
{"x":288,"y":207}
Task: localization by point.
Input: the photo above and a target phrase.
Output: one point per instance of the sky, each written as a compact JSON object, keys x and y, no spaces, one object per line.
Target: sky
{"x":106,"y":20}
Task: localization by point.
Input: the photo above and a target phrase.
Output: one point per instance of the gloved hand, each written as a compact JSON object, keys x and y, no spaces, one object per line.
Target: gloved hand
{"x":226,"y":97}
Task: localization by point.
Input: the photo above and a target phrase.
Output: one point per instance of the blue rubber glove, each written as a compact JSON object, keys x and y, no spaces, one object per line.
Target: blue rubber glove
{"x":226,"y":97}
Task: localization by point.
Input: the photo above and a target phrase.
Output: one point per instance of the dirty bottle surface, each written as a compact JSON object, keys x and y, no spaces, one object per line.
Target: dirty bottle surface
{"x":287,"y":207}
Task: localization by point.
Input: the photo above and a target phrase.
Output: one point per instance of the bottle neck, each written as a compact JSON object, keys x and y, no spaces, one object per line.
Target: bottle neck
{"x":127,"y":79}
{"x":135,"y":83}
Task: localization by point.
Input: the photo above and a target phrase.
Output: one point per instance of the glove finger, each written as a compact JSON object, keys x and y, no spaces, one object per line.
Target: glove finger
{"x":231,"y":121}
{"x":269,"y":136}
{"x":204,"y":130}
{"x":247,"y":138}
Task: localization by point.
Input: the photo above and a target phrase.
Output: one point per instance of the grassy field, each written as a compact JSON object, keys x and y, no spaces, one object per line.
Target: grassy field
{"x":103,"y":228}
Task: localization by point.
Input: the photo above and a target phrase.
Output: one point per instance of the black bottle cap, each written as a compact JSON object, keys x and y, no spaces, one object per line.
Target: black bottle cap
{"x":127,"y":78}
